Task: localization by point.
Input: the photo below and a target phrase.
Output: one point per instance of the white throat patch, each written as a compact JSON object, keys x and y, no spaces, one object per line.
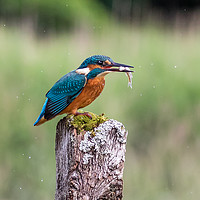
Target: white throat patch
{"x":84,"y":71}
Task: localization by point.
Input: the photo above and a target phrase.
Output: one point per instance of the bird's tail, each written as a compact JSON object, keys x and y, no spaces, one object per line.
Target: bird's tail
{"x":41,"y":119}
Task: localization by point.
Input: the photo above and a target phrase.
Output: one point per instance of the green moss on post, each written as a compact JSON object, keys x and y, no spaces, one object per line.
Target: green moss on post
{"x":83,"y":123}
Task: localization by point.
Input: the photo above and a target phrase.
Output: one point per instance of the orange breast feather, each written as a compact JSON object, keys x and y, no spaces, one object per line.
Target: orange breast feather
{"x":91,"y":91}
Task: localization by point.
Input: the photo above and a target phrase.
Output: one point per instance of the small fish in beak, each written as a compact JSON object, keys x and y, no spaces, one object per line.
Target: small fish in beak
{"x":128,"y":74}
{"x":121,"y":68}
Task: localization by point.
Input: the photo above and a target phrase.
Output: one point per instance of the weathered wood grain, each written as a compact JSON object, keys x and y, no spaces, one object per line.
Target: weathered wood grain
{"x":89,"y":165}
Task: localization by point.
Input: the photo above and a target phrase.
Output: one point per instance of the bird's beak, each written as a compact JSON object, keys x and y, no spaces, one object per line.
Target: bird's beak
{"x":117,"y":67}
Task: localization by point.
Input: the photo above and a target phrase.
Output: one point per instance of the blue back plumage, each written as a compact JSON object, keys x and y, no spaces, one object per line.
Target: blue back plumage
{"x":92,"y":60}
{"x":63,"y":93}
{"x":67,"y":85}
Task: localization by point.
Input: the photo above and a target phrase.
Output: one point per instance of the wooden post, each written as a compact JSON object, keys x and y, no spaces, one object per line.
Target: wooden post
{"x":89,"y":165}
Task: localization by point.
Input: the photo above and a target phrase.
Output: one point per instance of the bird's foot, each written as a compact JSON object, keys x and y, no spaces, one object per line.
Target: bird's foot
{"x":85,"y":113}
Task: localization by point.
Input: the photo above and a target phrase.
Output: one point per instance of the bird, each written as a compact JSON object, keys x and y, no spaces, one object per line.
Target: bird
{"x":79,"y":88}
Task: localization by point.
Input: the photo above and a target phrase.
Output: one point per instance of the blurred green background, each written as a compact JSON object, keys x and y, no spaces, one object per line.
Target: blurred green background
{"x":40,"y":41}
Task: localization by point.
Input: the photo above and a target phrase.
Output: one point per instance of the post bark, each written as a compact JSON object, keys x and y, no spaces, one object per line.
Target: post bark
{"x":89,"y":165}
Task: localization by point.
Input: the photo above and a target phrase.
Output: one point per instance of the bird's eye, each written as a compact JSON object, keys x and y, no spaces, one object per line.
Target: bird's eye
{"x":100,"y":62}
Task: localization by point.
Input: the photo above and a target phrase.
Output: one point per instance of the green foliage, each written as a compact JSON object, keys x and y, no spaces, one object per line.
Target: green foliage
{"x":53,"y":15}
{"x":161,"y":112}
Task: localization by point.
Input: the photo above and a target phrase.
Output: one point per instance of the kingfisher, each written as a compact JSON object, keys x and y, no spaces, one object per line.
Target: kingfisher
{"x":79,"y":88}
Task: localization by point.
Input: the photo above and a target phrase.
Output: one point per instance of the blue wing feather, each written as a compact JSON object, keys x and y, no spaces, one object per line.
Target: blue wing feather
{"x":63,"y":93}
{"x":42,"y":112}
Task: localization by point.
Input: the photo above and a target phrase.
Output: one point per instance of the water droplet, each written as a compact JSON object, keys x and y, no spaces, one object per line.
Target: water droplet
{"x":44,"y":31}
{"x":42,"y":180}
{"x":41,"y":71}
{"x":175,"y":66}
{"x":4,"y":25}
{"x":17,"y":97}
{"x":23,"y":154}
{"x":152,"y":64}
{"x":29,"y":99}
{"x":20,"y":188}
{"x":141,"y":94}
{"x":154,"y":86}
{"x":29,"y":157}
